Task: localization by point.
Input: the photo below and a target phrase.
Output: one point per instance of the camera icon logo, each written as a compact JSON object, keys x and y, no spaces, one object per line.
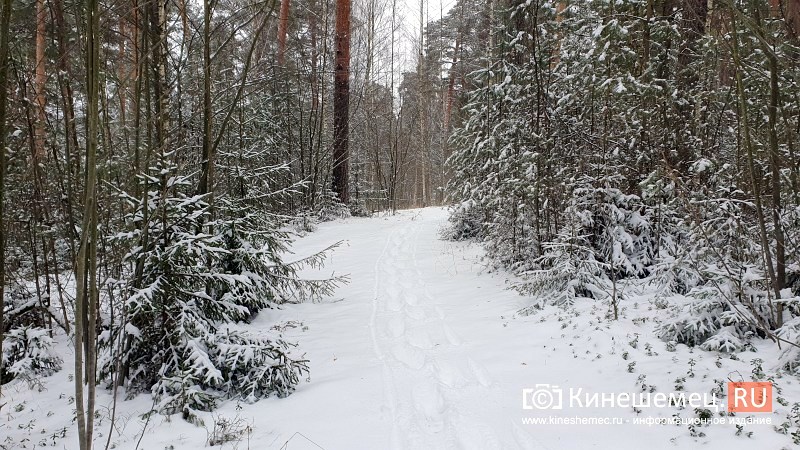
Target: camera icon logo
{"x":542,"y":396}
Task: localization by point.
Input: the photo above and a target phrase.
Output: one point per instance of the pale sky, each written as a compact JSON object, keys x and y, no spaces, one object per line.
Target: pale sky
{"x":409,"y":32}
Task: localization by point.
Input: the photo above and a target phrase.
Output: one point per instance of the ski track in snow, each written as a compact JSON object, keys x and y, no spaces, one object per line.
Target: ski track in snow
{"x":412,"y":341}
{"x":431,"y":386}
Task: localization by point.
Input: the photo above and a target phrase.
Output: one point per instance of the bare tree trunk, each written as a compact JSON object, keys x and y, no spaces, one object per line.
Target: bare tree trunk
{"x":39,"y":85}
{"x":64,"y":74}
{"x":393,"y":145}
{"x":5,"y":20}
{"x":451,"y":82}
{"x":37,"y":127}
{"x":560,"y":7}
{"x":86,"y":265}
{"x":122,"y":73}
{"x":140,"y":75}
{"x":423,"y":142}
{"x":645,"y":57}
{"x":792,"y":16}
{"x":775,"y":167}
{"x":370,"y":51}
{"x":283,"y":27}
{"x":157,"y":15}
{"x":316,"y":152}
{"x":341,"y":103}
{"x":754,"y":177}
{"x":207,"y":174}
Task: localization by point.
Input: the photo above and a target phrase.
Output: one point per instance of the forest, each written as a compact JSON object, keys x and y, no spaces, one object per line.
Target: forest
{"x":161,"y":157}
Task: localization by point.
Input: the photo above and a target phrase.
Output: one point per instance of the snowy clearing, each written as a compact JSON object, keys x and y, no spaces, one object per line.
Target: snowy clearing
{"x":424,"y":349}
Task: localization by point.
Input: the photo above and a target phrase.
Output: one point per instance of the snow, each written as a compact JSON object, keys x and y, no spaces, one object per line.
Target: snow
{"x":424,"y":349}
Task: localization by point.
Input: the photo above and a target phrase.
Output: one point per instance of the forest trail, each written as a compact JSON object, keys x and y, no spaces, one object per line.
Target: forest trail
{"x":410,"y":340}
{"x":425,"y":374}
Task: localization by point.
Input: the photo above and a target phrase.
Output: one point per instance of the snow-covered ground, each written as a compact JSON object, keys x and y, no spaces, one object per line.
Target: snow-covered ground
{"x":424,"y":349}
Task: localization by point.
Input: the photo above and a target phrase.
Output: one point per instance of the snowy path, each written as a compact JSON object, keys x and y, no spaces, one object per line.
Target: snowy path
{"x":422,"y":350}
{"x":412,"y":301}
{"x":424,"y":374}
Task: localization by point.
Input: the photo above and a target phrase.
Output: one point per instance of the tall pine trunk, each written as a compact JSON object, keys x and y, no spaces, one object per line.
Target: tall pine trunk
{"x":283,"y":27}
{"x":39,"y":86}
{"x":341,"y":103}
{"x":5,"y":20}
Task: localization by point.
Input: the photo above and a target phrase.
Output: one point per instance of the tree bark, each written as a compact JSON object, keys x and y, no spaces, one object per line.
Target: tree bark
{"x":775,"y":166}
{"x":451,"y":82}
{"x":283,"y":27}
{"x":39,"y":85}
{"x":207,"y":174}
{"x":86,"y":265}
{"x":341,"y":103}
{"x":792,"y":16}
{"x":423,"y":146}
{"x":560,"y":7}
{"x":5,"y":21}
